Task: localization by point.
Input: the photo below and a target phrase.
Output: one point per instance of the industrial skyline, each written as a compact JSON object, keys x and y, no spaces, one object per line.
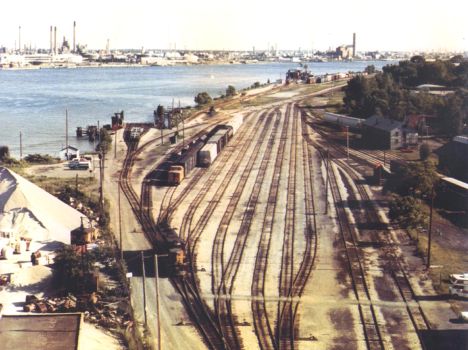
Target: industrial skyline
{"x":241,"y":25}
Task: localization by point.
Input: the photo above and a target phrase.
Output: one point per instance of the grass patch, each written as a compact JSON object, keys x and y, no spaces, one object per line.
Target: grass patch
{"x":452,"y":260}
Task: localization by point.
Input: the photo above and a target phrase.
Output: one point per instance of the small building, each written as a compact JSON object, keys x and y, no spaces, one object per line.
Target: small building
{"x":453,"y":159}
{"x":69,"y":152}
{"x":45,"y":331}
{"x":385,"y":133}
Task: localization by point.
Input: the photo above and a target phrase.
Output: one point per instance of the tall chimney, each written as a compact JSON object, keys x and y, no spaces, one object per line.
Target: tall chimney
{"x":74,"y":36}
{"x":51,"y":41}
{"x":354,"y":45}
{"x":55,"y":40}
{"x":19,"y":39}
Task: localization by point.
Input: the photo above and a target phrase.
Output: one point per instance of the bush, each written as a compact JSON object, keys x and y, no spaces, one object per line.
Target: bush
{"x":256,"y":85}
{"x":40,"y":159}
{"x":203,"y":98}
{"x":4,"y":153}
{"x":424,"y":151}
{"x":230,"y":91}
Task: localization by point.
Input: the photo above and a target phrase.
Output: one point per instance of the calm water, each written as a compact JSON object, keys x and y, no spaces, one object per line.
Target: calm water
{"x":34,"y":101}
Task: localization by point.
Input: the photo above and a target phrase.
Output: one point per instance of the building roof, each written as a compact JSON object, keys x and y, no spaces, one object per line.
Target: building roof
{"x":69,"y":147}
{"x":382,"y":123}
{"x":42,"y":331}
{"x":33,"y":212}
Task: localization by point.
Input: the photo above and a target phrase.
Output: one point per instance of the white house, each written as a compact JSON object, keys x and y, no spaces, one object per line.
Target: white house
{"x":69,"y":152}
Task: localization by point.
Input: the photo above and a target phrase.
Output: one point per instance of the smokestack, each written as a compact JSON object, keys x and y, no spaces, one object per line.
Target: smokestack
{"x":55,"y":40}
{"x":74,"y":36}
{"x":19,"y":39}
{"x":354,"y":45}
{"x":51,"y":40}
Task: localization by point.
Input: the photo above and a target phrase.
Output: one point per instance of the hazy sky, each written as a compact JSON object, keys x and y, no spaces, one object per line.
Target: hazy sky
{"x":241,"y":24}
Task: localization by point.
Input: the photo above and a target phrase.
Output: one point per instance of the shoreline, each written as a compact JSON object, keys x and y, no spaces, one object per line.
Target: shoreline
{"x":173,"y":64}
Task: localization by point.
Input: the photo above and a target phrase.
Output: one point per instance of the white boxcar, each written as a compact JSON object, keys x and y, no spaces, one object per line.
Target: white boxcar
{"x":207,"y":154}
{"x":343,"y":120}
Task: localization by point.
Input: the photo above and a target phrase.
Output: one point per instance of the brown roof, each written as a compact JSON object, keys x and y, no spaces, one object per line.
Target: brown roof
{"x":46,"y":331}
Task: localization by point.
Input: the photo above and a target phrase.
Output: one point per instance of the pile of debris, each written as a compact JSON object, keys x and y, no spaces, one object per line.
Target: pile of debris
{"x":112,"y":313}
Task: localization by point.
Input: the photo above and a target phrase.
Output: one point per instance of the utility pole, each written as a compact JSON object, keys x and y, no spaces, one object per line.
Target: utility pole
{"x":21,"y":145}
{"x":327,"y":180}
{"x":144,"y":286}
{"x":430,"y":230}
{"x":66,"y":132}
{"x":115,"y":144}
{"x":347,"y":143}
{"x":156,"y":277}
{"x":120,"y":223}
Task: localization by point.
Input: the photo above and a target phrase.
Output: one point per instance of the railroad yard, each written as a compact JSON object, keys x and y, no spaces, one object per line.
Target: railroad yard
{"x":286,"y":245}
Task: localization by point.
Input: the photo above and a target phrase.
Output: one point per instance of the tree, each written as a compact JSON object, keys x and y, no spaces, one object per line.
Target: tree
{"x":230,"y":91}
{"x":413,"y":179}
{"x":424,"y":151}
{"x":407,"y":211}
{"x":370,"y":69}
{"x":4,"y":153}
{"x":203,"y":98}
{"x":105,"y":141}
{"x":70,"y":268}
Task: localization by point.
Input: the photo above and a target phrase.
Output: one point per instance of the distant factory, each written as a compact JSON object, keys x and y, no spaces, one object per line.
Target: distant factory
{"x":347,"y":52}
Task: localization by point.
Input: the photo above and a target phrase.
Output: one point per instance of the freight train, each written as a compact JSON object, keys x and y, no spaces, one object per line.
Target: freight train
{"x":199,"y":153}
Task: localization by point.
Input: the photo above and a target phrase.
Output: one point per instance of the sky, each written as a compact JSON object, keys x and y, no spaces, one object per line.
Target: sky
{"x":400,"y":25}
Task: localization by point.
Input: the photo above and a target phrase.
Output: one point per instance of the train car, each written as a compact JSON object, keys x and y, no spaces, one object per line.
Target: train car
{"x":207,"y":155}
{"x":173,"y":249}
{"x":175,"y":175}
{"x":342,"y":120}
{"x":219,"y":139}
{"x":188,"y":158}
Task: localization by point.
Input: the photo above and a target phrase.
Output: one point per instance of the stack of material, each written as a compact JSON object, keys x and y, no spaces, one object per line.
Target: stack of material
{"x":23,"y":212}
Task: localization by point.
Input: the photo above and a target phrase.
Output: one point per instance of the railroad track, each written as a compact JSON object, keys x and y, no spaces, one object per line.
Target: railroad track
{"x":285,"y":324}
{"x":372,"y":333}
{"x":230,"y":270}
{"x":415,"y":313}
{"x":193,"y":235}
{"x":263,"y":328}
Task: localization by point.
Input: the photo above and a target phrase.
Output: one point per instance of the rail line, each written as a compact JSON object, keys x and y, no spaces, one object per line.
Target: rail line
{"x":262,"y":324}
{"x":233,"y":264}
{"x":285,"y":324}
{"x":372,"y":333}
{"x":414,"y":310}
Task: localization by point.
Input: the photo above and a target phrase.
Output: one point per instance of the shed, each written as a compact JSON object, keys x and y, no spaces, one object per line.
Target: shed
{"x":69,"y":152}
{"x":382,"y":133}
{"x":45,"y":331}
{"x":453,"y":159}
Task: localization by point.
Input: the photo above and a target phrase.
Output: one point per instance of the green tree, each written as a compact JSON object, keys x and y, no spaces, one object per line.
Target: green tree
{"x":203,"y":98}
{"x":370,"y":69}
{"x":4,"y":153}
{"x":105,"y":141}
{"x":407,"y":211}
{"x":230,"y":91}
{"x":70,"y":268}
{"x":413,"y":179}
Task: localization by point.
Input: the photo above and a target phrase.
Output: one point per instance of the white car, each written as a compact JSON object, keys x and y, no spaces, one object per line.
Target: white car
{"x":463,"y":316}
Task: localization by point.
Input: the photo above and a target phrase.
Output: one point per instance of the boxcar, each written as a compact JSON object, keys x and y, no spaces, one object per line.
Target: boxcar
{"x":188,"y":159}
{"x":207,"y":155}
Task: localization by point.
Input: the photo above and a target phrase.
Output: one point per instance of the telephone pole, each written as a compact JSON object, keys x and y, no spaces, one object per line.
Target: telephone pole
{"x":430,"y":230}
{"x":21,"y":145}
{"x":144,"y":286}
{"x":156,"y":277}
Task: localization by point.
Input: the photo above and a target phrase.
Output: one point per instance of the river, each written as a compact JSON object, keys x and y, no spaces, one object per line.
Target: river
{"x":34,"y":102}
